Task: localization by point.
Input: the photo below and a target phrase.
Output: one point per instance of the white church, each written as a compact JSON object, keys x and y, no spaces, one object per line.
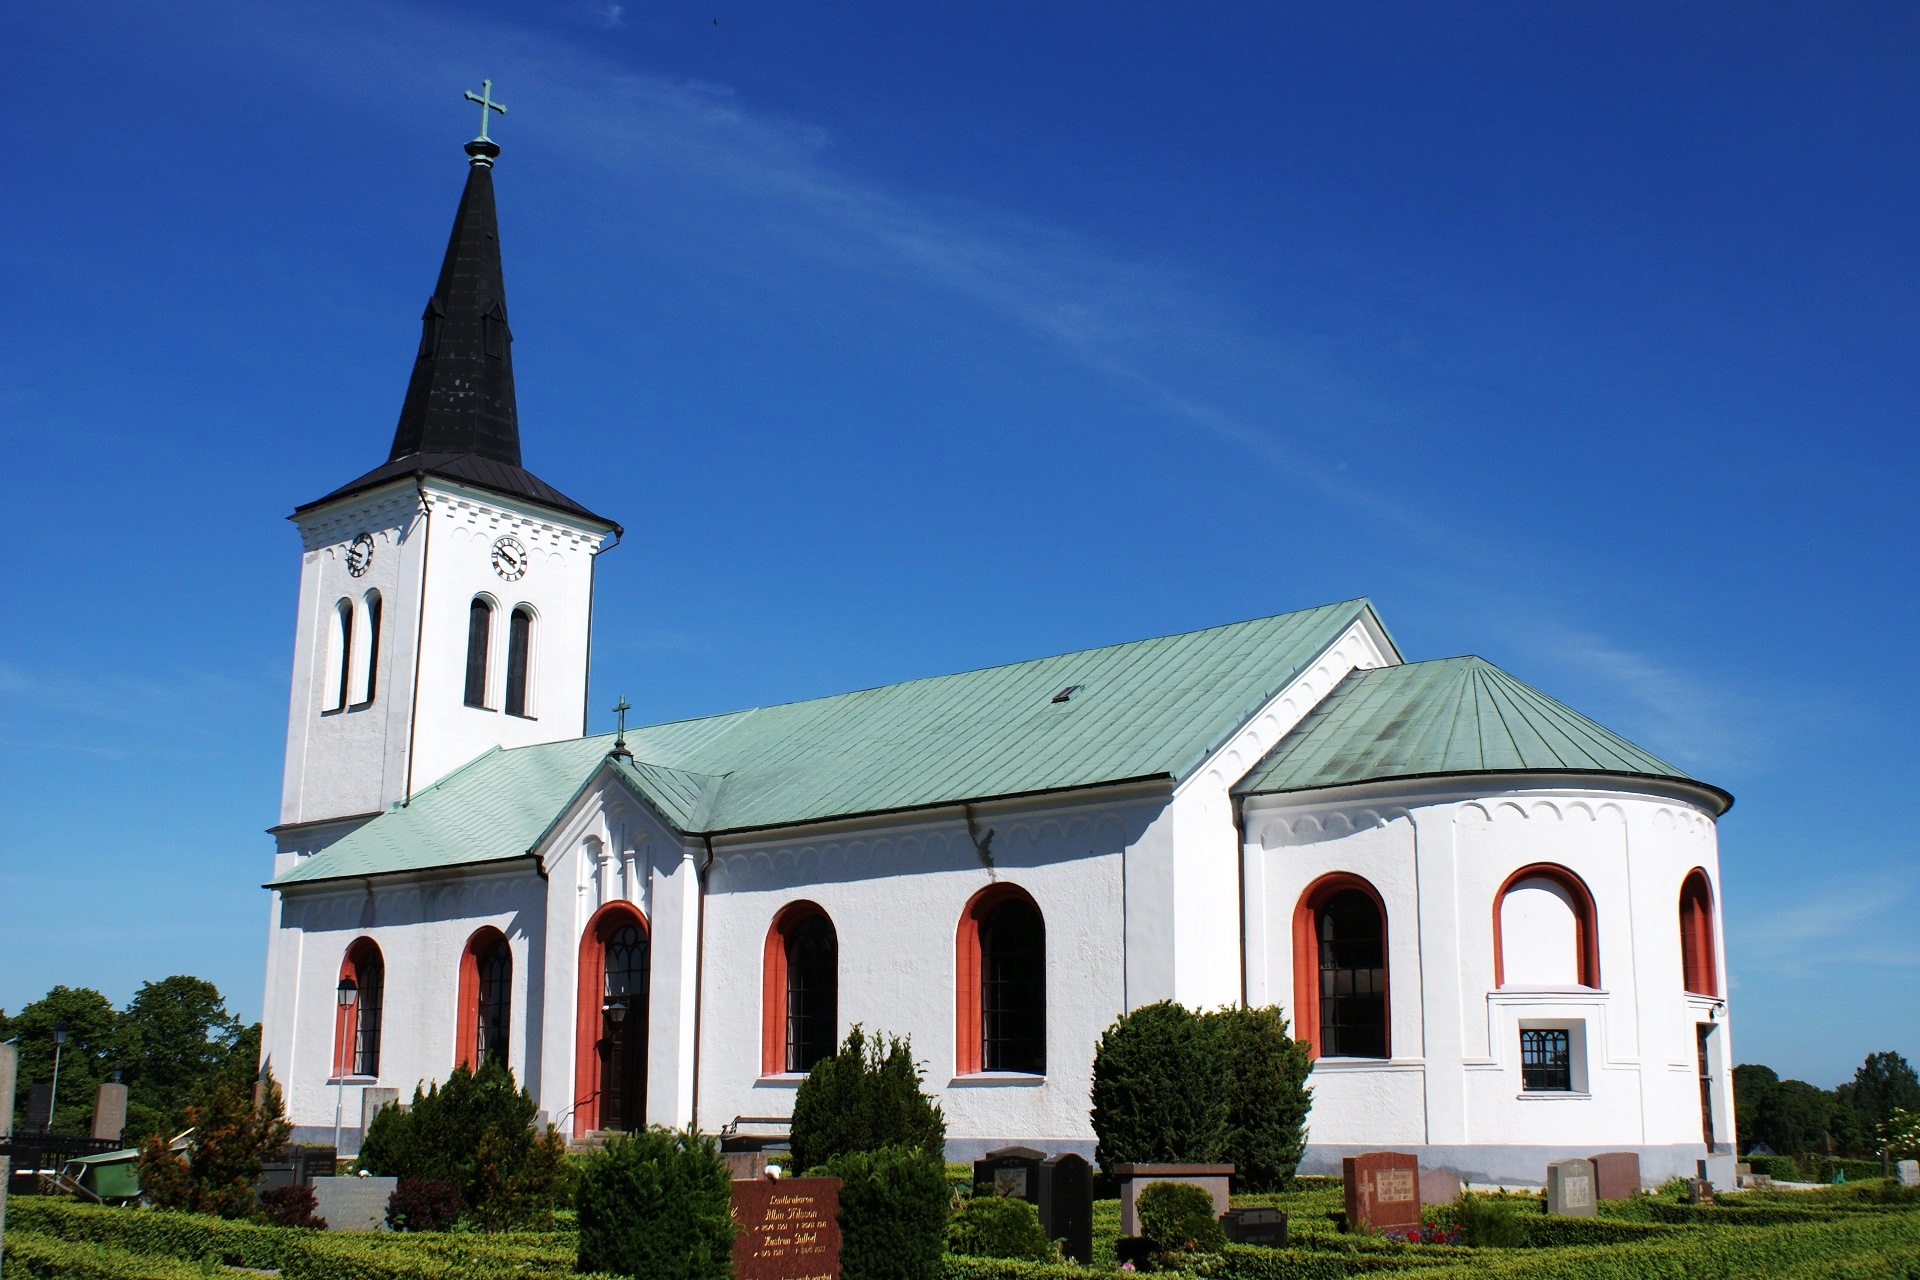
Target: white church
{"x":1495,"y":922}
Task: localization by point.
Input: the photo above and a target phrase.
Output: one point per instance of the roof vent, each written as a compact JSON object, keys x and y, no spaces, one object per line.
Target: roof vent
{"x":1066,"y":693}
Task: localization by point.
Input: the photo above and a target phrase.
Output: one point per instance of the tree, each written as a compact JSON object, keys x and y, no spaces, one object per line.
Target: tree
{"x":865,"y":1097}
{"x":1883,"y":1082}
{"x":95,"y":1045}
{"x":1754,"y":1087}
{"x":232,"y":1140}
{"x":1158,"y":1089}
{"x":178,"y":1037}
{"x":1267,"y":1098}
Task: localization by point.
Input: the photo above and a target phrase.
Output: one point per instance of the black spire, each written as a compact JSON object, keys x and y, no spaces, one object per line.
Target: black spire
{"x":460,"y":399}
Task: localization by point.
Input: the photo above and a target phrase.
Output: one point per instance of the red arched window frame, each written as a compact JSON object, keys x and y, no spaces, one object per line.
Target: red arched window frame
{"x":367,"y":967}
{"x":590,"y":989}
{"x":466,"y":1045}
{"x":1699,"y":972}
{"x":1586,"y":931}
{"x":773,"y":983}
{"x":967,"y":994}
{"x":1306,"y":954}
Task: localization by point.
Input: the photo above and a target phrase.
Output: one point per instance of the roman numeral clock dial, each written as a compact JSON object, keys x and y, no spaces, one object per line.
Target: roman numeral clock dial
{"x":509,"y":558}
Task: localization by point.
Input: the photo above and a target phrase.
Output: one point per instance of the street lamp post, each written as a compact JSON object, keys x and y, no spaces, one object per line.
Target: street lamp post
{"x":346,"y":993}
{"x":60,"y":1031}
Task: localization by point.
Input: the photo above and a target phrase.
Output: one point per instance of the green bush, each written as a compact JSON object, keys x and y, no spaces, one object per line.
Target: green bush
{"x":1157,"y":1090}
{"x":1173,"y":1085}
{"x":1267,"y":1096}
{"x":999,"y":1227}
{"x":657,"y":1204}
{"x":893,"y":1213}
{"x":867,"y":1096}
{"x":476,"y":1131}
{"x":1486,"y":1223}
{"x":39,"y":1257}
{"x":1178,"y":1218}
{"x":231,"y":1142}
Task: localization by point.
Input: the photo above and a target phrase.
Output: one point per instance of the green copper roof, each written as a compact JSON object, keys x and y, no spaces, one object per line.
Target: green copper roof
{"x":1149,"y":709}
{"x":1453,"y":716}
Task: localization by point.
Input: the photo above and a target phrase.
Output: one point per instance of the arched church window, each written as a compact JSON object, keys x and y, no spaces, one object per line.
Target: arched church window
{"x":340,"y":672}
{"x":1544,"y":930}
{"x":1003,"y":976}
{"x":373,"y":646}
{"x":519,"y":644}
{"x":1698,"y":970}
{"x":610,"y":1082}
{"x":486,"y":998}
{"x":1340,"y":969}
{"x":479,"y":636}
{"x":357,"y":1020}
{"x":801,"y":990}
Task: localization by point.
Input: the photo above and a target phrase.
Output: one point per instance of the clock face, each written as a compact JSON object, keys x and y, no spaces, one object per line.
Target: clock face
{"x":509,"y":558}
{"x":360,"y":555}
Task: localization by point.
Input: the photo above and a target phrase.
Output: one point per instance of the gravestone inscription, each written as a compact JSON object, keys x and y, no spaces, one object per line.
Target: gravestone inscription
{"x":1382,"y":1191}
{"x":788,"y":1229}
{"x":1616,"y":1174}
{"x":1009,"y":1171}
{"x":1570,"y":1188}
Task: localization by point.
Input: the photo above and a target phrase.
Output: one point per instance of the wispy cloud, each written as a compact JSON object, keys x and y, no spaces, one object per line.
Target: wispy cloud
{"x":1852,"y":923}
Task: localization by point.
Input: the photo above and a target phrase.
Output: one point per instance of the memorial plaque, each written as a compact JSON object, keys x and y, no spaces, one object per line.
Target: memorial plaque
{"x":1616,"y":1175}
{"x":1570,"y":1188}
{"x":1066,"y":1205}
{"x":1256,"y":1226}
{"x":1382,"y":1191}
{"x":1908,"y":1172}
{"x":110,"y":1111}
{"x":1439,"y":1186}
{"x":788,"y":1229}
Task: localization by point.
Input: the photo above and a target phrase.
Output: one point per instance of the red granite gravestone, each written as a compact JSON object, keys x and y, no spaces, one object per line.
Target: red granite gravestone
{"x":1616,"y":1174}
{"x":789,"y":1229}
{"x":1383,"y":1191}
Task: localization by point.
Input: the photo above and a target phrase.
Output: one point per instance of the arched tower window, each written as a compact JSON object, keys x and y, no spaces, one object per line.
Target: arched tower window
{"x":479,"y":636}
{"x":1340,"y":969}
{"x":356,"y":1029}
{"x":1699,"y":973}
{"x":1002,"y":969}
{"x":340,"y":669}
{"x":610,"y":1057}
{"x":372,"y":610}
{"x":800,"y":1000}
{"x":486,"y":998}
{"x":519,"y":647}
{"x":1544,"y":930}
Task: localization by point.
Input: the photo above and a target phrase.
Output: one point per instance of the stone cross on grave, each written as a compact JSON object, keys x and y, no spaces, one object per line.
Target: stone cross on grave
{"x":487,"y":104}
{"x":620,"y":739}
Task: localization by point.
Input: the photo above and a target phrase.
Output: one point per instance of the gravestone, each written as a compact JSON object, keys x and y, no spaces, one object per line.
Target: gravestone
{"x":1439,"y":1186}
{"x":1214,"y":1179}
{"x":1717,"y":1170}
{"x":1066,"y":1205}
{"x":1570,"y":1188}
{"x":1382,"y":1191}
{"x":1616,"y":1175}
{"x":1009,"y":1171}
{"x":1257,"y":1226}
{"x":745,"y":1166}
{"x":353,"y":1204}
{"x":110,"y":1111}
{"x":1699,"y":1191}
{"x":789,"y":1229}
{"x":1909,"y":1171}
{"x":39,"y":1108}
{"x":372,"y":1099}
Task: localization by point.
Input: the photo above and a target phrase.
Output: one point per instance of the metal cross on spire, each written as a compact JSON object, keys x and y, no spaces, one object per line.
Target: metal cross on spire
{"x":487,"y":104}
{"x":620,"y":741}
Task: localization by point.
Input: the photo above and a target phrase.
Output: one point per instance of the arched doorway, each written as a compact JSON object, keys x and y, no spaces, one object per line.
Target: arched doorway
{"x":611,"y":1048}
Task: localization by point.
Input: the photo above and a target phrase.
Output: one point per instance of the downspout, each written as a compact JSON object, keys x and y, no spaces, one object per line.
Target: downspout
{"x":420,"y":625}
{"x":586,"y":676}
{"x":700,"y":977}
{"x":1240,"y":869}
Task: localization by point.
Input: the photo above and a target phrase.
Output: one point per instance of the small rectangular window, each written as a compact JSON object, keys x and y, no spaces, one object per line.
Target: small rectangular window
{"x":1546,"y":1060}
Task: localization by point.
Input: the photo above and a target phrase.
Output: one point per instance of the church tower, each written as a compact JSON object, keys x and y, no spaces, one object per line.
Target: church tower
{"x":446,"y":595}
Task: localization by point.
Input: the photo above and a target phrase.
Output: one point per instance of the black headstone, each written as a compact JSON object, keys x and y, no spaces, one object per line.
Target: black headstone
{"x":1010,"y":1171}
{"x":1066,"y":1205}
{"x":1266,"y":1227}
{"x":39,"y":1108}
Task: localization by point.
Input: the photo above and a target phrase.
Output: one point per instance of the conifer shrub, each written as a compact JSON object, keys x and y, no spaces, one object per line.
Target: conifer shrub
{"x":231,"y":1142}
{"x":865,"y":1097}
{"x":657,"y":1204}
{"x":1172,"y":1085}
{"x":998,"y":1227}
{"x":1178,"y":1218}
{"x":476,"y":1131}
{"x":1485,"y":1223}
{"x":424,"y":1204}
{"x":893,"y":1213}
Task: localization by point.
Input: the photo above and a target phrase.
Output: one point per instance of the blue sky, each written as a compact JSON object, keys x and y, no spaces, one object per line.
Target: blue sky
{"x":902,"y":342}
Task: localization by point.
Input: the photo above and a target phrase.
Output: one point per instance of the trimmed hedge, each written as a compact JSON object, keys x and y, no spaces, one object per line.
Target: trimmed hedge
{"x":893,"y":1214}
{"x":999,"y":1227}
{"x":51,"y":1258}
{"x":657,"y":1203}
